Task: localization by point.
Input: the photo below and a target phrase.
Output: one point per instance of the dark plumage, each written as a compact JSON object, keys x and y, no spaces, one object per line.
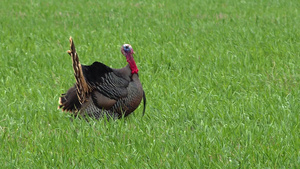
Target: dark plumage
{"x":103,"y":91}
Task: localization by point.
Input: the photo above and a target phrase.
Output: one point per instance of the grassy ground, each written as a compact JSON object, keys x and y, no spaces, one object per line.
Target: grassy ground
{"x":221,"y":78}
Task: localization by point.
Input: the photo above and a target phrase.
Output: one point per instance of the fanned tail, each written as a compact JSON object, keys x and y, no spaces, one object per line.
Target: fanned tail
{"x":81,"y":84}
{"x":69,"y":101}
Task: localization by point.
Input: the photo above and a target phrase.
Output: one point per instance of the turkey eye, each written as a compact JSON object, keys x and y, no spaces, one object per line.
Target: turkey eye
{"x":126,"y":48}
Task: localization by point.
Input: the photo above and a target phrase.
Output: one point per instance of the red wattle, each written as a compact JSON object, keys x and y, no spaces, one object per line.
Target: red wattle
{"x":132,"y":64}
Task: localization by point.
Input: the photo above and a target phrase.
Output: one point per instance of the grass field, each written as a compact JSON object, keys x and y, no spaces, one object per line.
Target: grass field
{"x":221,"y":78}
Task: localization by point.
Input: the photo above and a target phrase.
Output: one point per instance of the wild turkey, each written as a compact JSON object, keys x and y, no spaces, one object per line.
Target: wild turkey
{"x":103,"y":91}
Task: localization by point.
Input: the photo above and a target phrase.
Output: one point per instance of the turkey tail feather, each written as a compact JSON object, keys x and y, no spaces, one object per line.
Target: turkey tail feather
{"x":81,"y":84}
{"x":69,"y":101}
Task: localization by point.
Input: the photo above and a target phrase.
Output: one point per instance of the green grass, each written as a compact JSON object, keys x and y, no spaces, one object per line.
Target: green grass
{"x":221,"y":78}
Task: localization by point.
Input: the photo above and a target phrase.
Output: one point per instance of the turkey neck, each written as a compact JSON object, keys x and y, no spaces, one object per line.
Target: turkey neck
{"x":132,"y":64}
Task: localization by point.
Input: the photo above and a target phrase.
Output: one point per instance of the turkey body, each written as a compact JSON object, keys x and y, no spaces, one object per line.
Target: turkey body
{"x":101,"y":91}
